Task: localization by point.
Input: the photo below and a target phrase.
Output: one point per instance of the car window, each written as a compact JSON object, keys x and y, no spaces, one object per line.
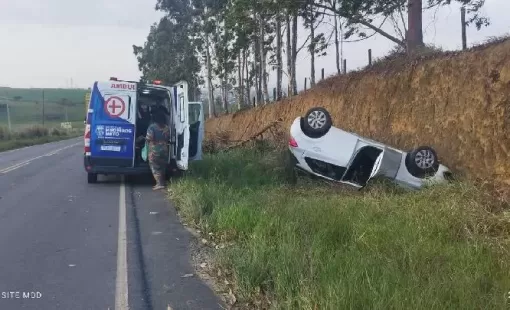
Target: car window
{"x":194,"y":113}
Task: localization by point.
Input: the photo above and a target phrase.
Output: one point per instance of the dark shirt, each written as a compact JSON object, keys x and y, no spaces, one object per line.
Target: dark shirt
{"x":142,"y":124}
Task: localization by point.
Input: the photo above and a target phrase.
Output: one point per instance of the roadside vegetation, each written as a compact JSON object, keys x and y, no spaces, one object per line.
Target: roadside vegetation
{"x":34,"y":135}
{"x":50,"y":95}
{"x":312,"y":245}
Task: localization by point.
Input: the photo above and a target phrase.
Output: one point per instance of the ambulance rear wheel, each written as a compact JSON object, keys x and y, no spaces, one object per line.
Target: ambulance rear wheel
{"x":92,"y":178}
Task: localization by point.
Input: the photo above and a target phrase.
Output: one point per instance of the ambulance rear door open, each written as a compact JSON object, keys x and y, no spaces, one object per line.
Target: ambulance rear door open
{"x":181,"y":120}
{"x":111,"y":123}
{"x":196,"y":126}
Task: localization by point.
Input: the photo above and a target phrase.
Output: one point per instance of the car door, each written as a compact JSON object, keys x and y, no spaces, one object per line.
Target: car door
{"x":182,"y":124}
{"x":196,"y":128}
{"x":387,"y":164}
{"x":112,"y":132}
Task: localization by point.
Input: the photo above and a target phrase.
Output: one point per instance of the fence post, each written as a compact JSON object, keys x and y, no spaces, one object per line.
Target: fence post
{"x":305,"y":83}
{"x":369,"y":56}
{"x":274,"y":94}
{"x":253,"y":101}
{"x":345,"y":66}
{"x":8,"y":117}
{"x":463,"y":25}
{"x":43,"y":116}
{"x":322,"y":73}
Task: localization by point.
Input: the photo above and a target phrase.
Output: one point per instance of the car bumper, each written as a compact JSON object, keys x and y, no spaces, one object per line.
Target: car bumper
{"x":295,"y":128}
{"x":297,"y":158}
{"x":405,"y":179}
{"x":441,"y":175}
{"x":99,"y":169}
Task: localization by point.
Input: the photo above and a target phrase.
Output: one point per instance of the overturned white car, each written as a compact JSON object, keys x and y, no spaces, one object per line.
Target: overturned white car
{"x":337,"y":155}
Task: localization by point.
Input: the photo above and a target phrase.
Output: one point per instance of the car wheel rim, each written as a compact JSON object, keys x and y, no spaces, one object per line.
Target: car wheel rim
{"x":317,"y":119}
{"x":425,"y":159}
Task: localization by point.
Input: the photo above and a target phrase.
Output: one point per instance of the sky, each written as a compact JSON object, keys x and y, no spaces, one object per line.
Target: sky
{"x":66,"y":43}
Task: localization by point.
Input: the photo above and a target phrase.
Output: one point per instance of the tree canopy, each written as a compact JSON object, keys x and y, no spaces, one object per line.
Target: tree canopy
{"x":233,"y":44}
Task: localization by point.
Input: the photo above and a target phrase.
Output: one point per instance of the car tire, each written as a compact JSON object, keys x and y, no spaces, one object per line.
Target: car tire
{"x":316,"y":122}
{"x":422,"y":161}
{"x":92,"y":178}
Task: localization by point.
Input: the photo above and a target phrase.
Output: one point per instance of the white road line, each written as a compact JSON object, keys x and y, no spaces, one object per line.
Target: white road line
{"x":26,"y":162}
{"x":121,"y":285}
{"x":15,"y":167}
{"x":27,"y":147}
{"x":10,"y":151}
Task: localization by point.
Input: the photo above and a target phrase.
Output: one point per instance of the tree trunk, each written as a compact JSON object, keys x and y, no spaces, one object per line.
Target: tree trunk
{"x":259,"y":83}
{"x":240,"y":73}
{"x":224,"y":82}
{"x":256,"y":78}
{"x":263,"y":71}
{"x":289,"y":55}
{"x":222,"y":97}
{"x":256,"y":68}
{"x":209,"y":78}
{"x":248,"y":80}
{"x":256,"y":82}
{"x":415,"y":26}
{"x":225,"y":94}
{"x":294,"y":52}
{"x":259,"y":73}
{"x":279,"y":63}
{"x":337,"y":46}
{"x":312,"y":48}
{"x":342,"y":47}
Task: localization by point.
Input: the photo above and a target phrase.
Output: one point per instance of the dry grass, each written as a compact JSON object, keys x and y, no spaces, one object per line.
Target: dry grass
{"x":312,"y":246}
{"x":456,"y":102}
{"x":32,"y":136}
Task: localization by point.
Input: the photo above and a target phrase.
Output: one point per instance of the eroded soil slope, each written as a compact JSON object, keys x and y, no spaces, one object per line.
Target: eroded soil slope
{"x":458,"y":103}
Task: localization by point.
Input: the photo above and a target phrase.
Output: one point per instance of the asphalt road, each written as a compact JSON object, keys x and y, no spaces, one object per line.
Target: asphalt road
{"x":66,"y":244}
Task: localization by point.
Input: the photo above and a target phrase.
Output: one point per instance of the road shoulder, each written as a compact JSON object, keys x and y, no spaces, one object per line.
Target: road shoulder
{"x":161,"y":250}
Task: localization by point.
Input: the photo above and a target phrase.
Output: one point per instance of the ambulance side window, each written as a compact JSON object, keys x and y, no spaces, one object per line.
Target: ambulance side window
{"x":182,"y":115}
{"x":194,"y":113}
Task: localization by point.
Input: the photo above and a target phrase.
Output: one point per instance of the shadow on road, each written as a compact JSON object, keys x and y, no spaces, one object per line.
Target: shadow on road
{"x":133,"y":180}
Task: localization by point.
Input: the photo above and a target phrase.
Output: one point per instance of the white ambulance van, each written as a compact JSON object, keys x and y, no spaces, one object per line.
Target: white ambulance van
{"x":117,"y":116}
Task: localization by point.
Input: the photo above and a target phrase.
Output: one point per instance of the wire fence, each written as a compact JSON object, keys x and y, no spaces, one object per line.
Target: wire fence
{"x":18,"y":115}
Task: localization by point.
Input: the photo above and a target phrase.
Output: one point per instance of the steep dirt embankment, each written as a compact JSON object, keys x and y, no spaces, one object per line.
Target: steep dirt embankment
{"x":459,"y":103}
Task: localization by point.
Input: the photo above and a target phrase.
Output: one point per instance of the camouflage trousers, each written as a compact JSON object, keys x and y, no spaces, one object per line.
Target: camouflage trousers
{"x":158,"y":166}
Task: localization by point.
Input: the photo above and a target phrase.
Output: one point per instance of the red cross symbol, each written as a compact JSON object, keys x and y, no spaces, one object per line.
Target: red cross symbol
{"x":115,"y":106}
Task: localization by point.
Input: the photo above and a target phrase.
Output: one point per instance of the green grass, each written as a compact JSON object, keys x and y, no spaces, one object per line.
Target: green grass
{"x":26,"y":106}
{"x":314,"y":246}
{"x":25,"y":113}
{"x":50,"y":94}
{"x":33,"y":136}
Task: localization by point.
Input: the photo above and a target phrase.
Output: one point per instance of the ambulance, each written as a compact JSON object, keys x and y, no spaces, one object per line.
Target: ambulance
{"x":114,"y":124}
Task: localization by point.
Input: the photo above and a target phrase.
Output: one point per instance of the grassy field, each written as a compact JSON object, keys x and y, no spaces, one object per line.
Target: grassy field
{"x":50,"y":94}
{"x":26,"y":108}
{"x":34,"y":135}
{"x":311,"y":245}
{"x":31,"y":123}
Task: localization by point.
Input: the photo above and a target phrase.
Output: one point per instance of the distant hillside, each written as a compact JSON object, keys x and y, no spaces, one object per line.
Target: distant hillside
{"x":36,"y":94}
